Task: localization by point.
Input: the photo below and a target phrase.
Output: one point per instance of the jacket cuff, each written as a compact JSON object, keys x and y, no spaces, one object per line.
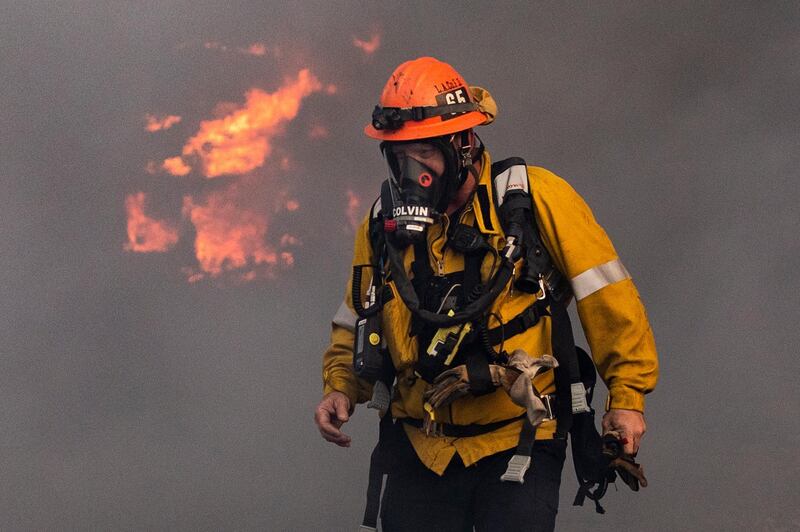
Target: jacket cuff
{"x":625,"y":398}
{"x":340,"y":384}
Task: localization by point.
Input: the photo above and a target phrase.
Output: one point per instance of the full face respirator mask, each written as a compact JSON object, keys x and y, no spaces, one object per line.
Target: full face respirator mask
{"x":416,"y":195}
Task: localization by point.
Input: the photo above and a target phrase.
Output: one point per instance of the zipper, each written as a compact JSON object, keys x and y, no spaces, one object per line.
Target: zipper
{"x":439,"y":262}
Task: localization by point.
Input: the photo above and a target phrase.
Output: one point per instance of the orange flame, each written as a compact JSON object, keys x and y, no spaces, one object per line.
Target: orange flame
{"x":176,"y":166}
{"x":230,"y":237}
{"x":368,"y":47}
{"x":155,"y":123}
{"x":241,"y":141}
{"x":146,"y":234}
{"x":232,"y":225}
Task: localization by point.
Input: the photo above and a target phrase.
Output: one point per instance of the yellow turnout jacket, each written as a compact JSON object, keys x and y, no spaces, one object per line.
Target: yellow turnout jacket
{"x":610,"y":310}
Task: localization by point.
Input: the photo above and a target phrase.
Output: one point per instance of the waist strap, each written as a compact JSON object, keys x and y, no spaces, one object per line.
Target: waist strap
{"x":462,"y":431}
{"x":465,"y":431}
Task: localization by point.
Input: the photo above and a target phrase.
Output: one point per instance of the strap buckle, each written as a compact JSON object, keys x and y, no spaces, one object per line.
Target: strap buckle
{"x":542,"y":288}
{"x":517,"y":467}
{"x":579,"y":403}
{"x":547,"y":400}
{"x":417,"y":113}
{"x":433,"y":429}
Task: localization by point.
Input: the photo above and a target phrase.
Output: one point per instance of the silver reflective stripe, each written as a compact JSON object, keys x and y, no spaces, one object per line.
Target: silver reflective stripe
{"x":345,"y":317}
{"x":597,"y":278}
{"x":513,"y":178}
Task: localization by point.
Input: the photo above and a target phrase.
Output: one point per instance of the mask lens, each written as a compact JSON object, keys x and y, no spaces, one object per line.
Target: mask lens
{"x":416,"y":184}
{"x":402,"y":157}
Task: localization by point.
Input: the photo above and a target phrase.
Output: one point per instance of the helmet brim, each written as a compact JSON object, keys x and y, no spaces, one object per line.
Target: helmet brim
{"x":432,"y":127}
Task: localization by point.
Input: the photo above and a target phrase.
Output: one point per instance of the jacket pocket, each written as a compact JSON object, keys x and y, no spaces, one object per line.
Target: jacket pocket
{"x":396,"y":327}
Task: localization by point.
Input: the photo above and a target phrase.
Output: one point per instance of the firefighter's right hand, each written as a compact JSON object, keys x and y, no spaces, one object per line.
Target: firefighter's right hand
{"x":331,"y":414}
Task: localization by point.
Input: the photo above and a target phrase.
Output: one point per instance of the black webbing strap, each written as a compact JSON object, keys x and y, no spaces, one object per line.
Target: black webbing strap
{"x":463,"y":431}
{"x":519,"y":323}
{"x":526,"y":438}
{"x":391,"y":118}
{"x":379,"y":464}
{"x":567,"y":372}
{"x":421,"y":267}
{"x":472,"y":275}
{"x":485,"y":205}
{"x":480,"y":378}
{"x":519,"y":463}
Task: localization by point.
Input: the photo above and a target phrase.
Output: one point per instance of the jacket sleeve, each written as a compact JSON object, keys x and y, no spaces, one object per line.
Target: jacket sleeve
{"x":337,"y":362}
{"x":611,"y":312}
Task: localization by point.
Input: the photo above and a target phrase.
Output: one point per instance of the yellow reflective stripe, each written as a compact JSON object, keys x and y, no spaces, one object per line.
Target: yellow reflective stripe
{"x":597,"y":278}
{"x":345,"y":317}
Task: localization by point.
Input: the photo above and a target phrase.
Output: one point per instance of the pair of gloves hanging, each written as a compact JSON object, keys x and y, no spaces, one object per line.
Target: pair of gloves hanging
{"x":516,"y":378}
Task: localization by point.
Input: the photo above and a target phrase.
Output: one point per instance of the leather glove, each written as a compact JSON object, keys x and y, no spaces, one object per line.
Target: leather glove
{"x":631,"y":473}
{"x":454,"y":383}
{"x":517,"y":381}
{"x":448,"y":386}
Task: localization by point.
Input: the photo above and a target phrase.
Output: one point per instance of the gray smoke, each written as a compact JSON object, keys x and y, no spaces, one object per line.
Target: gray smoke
{"x":132,"y":400}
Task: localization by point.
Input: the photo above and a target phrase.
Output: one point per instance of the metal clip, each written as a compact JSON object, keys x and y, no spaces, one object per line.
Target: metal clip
{"x":546,"y":399}
{"x":429,"y":425}
{"x":542,"y":289}
{"x":517,"y":467}
{"x":432,"y":429}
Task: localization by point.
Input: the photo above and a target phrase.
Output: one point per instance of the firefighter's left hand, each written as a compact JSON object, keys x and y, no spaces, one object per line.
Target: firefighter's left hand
{"x":629,"y":423}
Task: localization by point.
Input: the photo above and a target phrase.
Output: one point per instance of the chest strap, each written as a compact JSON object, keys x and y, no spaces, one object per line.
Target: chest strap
{"x":519,"y":324}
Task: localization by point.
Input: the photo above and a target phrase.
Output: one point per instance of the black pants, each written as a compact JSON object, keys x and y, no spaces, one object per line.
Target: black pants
{"x":417,"y":499}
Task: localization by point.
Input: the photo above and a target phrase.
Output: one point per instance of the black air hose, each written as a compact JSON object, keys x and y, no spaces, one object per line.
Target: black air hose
{"x":471,"y":312}
{"x":356,"y":292}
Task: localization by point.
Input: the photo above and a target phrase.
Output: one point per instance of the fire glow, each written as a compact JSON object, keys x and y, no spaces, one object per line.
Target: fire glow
{"x":229,"y":237}
{"x":155,"y":123}
{"x":233,"y":223}
{"x":146,"y":234}
{"x":368,"y":47}
{"x":241,"y":141}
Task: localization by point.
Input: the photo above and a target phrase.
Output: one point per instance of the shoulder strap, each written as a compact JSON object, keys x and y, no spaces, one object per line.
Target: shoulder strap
{"x":512,"y":190}
{"x":375,"y":229}
{"x":513,"y":199}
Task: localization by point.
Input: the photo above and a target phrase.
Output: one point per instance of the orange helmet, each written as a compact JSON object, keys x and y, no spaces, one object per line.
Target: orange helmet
{"x":424,"y":98}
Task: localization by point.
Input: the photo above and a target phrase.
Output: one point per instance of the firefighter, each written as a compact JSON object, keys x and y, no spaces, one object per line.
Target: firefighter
{"x":454,"y":323}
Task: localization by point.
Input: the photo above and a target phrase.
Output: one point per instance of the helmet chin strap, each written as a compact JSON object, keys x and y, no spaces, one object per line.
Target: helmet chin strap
{"x":465,"y":156}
